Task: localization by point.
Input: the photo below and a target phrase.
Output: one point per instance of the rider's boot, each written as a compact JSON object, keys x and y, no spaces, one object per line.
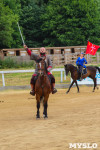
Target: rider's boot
{"x":85,"y":71}
{"x":54,"y":90}
{"x":32,"y":92}
{"x":80,"y":77}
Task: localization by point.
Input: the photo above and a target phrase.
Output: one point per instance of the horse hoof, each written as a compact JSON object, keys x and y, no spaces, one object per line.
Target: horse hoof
{"x":37,"y":117}
{"x":97,"y":88}
{"x":45,"y":117}
{"x":93,"y":91}
{"x":67,"y":92}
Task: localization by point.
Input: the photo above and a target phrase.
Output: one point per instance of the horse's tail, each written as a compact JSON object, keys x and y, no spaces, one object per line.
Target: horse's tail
{"x":98,"y":68}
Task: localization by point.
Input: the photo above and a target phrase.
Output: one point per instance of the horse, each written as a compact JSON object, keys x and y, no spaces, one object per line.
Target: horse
{"x":42,"y":88}
{"x":91,"y":72}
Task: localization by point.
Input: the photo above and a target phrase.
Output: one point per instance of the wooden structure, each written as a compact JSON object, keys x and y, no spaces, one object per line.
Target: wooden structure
{"x":50,"y":50}
{"x":58,"y":55}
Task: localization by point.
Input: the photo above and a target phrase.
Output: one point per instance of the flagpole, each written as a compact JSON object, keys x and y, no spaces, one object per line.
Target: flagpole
{"x":20,"y":33}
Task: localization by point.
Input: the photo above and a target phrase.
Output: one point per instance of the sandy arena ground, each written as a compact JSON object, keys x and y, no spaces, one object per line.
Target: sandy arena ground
{"x":72,"y":118}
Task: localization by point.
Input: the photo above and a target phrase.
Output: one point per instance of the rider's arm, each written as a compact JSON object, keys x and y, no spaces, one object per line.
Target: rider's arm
{"x":28,"y":50}
{"x":85,"y":61}
{"x":33,"y":56}
{"x":77,"y":61}
{"x":49,"y":64}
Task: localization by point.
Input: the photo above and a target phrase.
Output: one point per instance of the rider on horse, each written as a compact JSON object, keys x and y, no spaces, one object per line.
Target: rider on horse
{"x":80,"y":63}
{"x":36,"y":57}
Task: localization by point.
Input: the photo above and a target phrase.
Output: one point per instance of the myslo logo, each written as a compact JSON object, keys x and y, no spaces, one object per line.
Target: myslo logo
{"x":83,"y":145}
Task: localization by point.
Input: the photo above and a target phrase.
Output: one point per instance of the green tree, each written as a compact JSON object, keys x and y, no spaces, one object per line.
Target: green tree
{"x":25,"y":3}
{"x":15,"y":7}
{"x":7,"y":18}
{"x":70,"y":22}
{"x":31,"y":22}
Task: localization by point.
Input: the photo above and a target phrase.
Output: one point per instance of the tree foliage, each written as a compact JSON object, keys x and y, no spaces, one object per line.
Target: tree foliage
{"x":71,"y":22}
{"x":31,"y":23}
{"x":9,"y":34}
{"x":49,"y":22}
{"x":7,"y":18}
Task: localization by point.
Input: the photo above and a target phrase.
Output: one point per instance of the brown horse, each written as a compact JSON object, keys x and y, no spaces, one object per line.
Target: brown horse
{"x":91,"y":72}
{"x":42,"y":87}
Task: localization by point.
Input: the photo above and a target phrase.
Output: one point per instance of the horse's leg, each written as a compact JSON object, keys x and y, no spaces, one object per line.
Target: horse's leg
{"x":38,"y":106}
{"x":45,"y":106}
{"x":70,"y":86}
{"x":45,"y":110}
{"x":77,"y":86}
{"x":94,"y":84}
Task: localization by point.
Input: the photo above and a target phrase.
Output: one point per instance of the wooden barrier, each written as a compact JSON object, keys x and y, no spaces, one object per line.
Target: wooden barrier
{"x":50,"y":50}
{"x":58,"y":55}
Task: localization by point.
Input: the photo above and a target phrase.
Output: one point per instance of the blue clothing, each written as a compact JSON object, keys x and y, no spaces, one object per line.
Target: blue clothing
{"x":81,"y":62}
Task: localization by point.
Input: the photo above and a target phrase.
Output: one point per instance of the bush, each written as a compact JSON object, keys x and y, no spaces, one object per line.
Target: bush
{"x":10,"y":63}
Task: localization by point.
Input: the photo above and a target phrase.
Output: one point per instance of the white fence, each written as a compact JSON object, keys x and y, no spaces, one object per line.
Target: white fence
{"x":61,"y":70}
{"x":59,"y":74}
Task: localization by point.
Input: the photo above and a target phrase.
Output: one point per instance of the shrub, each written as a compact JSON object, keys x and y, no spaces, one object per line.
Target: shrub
{"x":10,"y":63}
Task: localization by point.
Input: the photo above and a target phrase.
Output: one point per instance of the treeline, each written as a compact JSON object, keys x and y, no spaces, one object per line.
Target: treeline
{"x":49,"y":22}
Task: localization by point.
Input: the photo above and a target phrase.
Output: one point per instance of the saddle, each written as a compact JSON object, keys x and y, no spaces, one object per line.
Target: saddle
{"x":81,"y":70}
{"x":36,"y":77}
{"x":84,"y":71}
{"x":49,"y":77}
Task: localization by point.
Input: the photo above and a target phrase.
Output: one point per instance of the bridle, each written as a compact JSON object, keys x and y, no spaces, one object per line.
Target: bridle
{"x":42,"y":70}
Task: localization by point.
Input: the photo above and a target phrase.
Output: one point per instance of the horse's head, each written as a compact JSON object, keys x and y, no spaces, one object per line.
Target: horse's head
{"x":41,"y":65}
{"x":66,"y":69}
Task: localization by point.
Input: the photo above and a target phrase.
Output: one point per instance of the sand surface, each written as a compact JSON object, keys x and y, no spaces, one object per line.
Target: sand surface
{"x":72,"y":118}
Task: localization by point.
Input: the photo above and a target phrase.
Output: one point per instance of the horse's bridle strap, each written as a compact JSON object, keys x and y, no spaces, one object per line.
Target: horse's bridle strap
{"x":41,"y":69}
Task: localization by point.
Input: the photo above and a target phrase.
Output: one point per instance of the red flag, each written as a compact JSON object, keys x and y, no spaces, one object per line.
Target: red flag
{"x":91,"y":48}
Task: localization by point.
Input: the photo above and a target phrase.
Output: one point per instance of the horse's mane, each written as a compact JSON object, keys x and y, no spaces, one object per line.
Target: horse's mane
{"x":74,"y":67}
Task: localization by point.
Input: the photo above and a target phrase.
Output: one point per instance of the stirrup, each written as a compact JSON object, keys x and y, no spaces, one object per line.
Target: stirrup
{"x":32,"y":92}
{"x":54,"y":91}
{"x":80,"y":79}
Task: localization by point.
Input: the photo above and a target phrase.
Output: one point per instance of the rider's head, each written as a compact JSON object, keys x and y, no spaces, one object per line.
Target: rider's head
{"x":42,"y":51}
{"x":82,"y":54}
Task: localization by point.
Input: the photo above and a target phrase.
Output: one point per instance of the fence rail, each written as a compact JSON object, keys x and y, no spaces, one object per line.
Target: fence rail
{"x":62,"y":59}
{"x":60,"y":71}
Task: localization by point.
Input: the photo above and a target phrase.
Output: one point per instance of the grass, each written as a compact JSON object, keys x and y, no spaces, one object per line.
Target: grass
{"x":19,"y":79}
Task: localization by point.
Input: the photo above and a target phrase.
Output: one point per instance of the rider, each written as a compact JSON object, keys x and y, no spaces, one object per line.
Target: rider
{"x":36,"y":57}
{"x":80,"y":63}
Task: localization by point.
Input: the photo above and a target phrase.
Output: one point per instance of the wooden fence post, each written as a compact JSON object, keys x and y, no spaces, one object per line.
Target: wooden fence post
{"x":97,"y":55}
